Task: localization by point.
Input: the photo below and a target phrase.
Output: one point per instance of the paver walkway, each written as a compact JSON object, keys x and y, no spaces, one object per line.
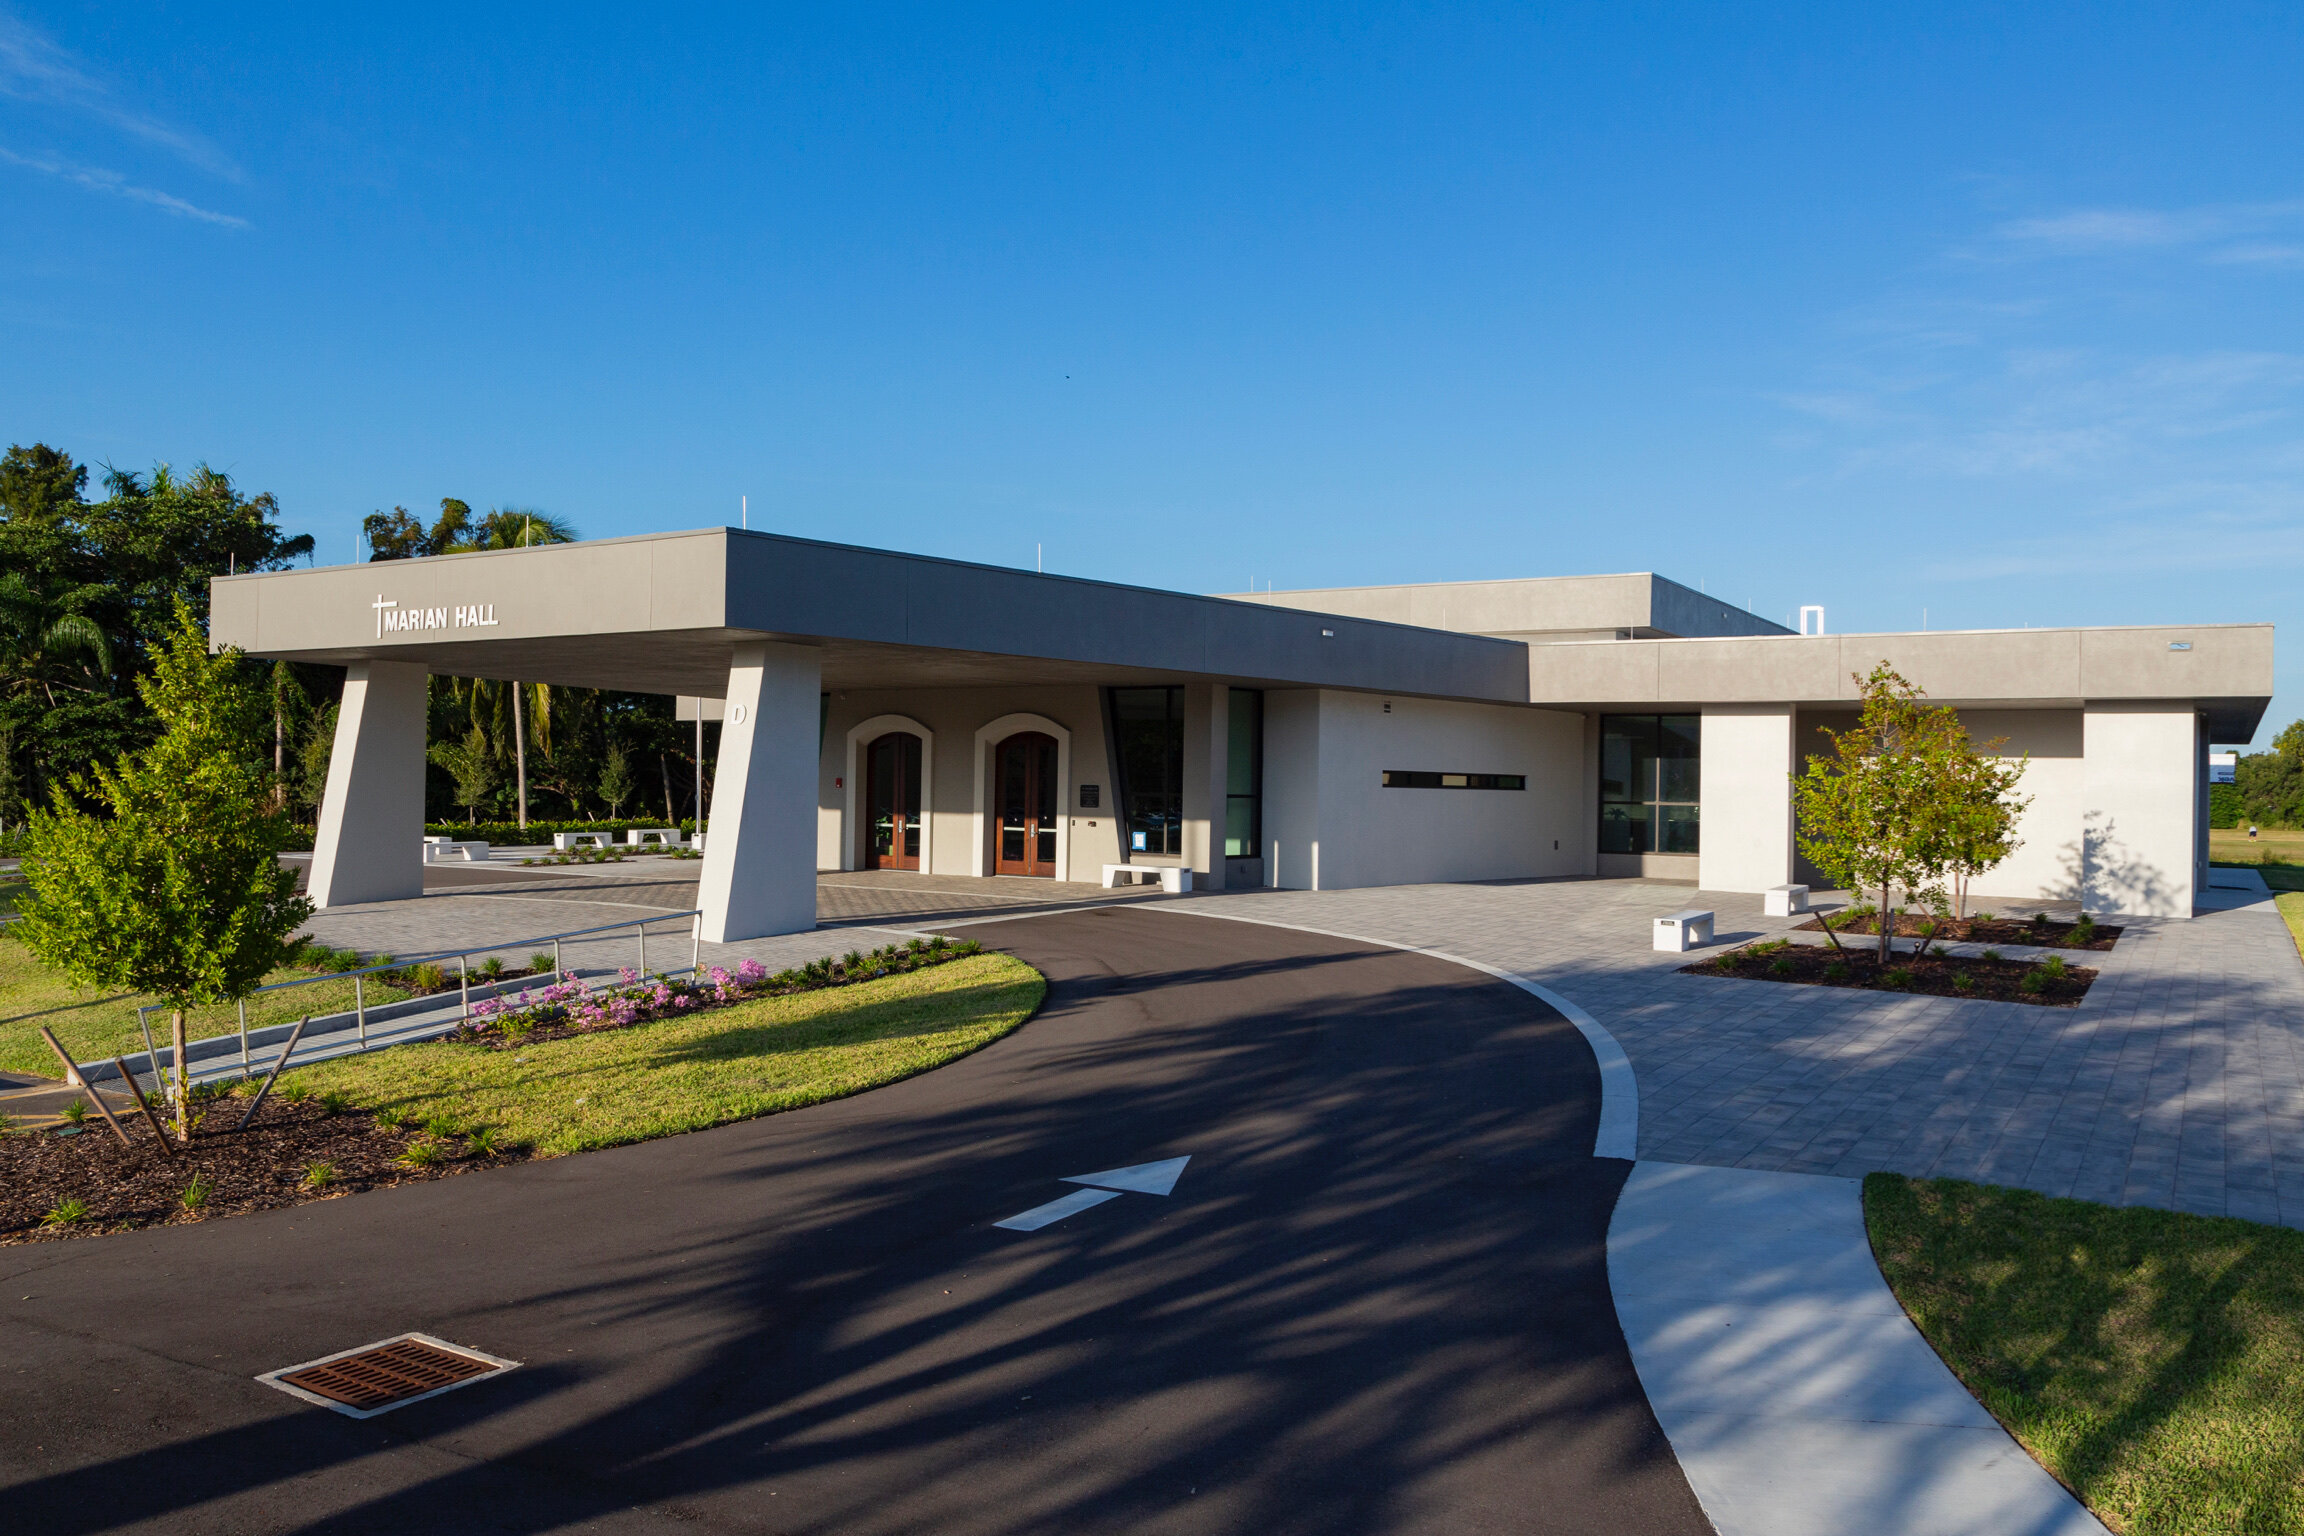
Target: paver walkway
{"x":506,"y":904}
{"x":2178,"y":1082}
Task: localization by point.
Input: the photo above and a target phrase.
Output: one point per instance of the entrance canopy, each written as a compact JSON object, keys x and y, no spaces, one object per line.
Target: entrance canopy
{"x":665,"y":613}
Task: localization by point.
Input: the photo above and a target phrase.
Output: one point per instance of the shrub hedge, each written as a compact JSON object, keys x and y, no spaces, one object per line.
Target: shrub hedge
{"x":510,"y":834}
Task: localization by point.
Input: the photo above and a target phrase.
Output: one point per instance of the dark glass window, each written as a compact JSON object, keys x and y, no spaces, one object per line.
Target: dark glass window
{"x":1244,"y":775}
{"x":1415,"y":778}
{"x":1149,"y":726}
{"x":1651,"y":783}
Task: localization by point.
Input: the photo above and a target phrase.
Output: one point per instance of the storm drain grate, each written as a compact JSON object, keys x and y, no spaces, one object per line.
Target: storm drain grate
{"x":377,"y":1378}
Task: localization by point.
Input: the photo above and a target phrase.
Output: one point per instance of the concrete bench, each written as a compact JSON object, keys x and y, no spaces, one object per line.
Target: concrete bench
{"x":1172,"y":877}
{"x":562,"y":842}
{"x":1683,"y":930}
{"x":642,"y":837}
{"x":445,"y":850}
{"x":1785,"y":900}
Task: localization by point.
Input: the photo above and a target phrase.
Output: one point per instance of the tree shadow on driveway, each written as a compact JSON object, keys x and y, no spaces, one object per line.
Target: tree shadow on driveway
{"x":1376,"y":1301}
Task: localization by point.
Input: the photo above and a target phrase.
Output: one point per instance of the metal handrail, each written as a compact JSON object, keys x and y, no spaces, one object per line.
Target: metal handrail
{"x":462,"y":957}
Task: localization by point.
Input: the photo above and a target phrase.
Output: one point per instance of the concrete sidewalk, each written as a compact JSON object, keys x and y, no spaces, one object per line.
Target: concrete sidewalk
{"x":1798,"y":1397}
{"x":2178,"y":1082}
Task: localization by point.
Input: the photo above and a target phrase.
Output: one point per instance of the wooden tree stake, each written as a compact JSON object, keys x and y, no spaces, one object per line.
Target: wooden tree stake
{"x":167,"y":1147}
{"x":273,"y":1076}
{"x":72,"y":1075}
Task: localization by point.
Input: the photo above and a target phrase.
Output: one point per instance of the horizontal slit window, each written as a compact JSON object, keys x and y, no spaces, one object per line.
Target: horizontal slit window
{"x":1413,"y":778}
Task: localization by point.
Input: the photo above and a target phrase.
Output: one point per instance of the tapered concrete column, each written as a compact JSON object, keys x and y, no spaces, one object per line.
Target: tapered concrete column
{"x":760,"y":859}
{"x":371,"y":841}
{"x":1744,"y":841}
{"x":1207,"y":725}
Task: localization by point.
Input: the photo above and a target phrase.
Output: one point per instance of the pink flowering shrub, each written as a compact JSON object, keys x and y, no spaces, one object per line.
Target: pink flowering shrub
{"x":634,"y":999}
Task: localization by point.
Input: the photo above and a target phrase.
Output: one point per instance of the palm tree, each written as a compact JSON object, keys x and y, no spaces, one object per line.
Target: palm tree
{"x":523,"y":528}
{"x":40,"y":631}
{"x":287,"y":694}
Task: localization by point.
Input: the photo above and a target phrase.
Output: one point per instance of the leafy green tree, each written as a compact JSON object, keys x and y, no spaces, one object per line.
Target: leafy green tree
{"x":311,"y":779}
{"x":11,"y":783}
{"x":287,"y":694}
{"x":616,"y":782}
{"x":1872,"y":814}
{"x":472,"y":764}
{"x":161,"y":536}
{"x":176,"y":888}
{"x":2271,"y":784}
{"x":116,"y":569}
{"x":398,"y":536}
{"x":1979,"y":809}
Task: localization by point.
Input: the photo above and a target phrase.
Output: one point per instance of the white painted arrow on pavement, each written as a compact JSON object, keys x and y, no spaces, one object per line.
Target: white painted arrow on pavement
{"x":1142,"y":1179}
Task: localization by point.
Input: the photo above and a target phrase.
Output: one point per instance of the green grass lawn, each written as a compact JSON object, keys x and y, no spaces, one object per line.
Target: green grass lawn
{"x":96,"y":1024}
{"x":2232,"y":845}
{"x":685,"y":1073}
{"x":2154,"y":1362}
{"x":2291,"y":905}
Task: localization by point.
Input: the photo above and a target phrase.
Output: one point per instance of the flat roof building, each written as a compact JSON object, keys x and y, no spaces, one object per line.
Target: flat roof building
{"x":890,"y":710}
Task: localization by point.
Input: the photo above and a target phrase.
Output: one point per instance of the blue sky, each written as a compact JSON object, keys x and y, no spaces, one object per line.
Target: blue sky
{"x":1991,"y":313}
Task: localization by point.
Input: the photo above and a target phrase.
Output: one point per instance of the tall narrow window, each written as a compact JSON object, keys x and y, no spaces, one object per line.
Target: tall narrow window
{"x":1651,"y":784}
{"x":1244,"y":775}
{"x":1149,"y":724}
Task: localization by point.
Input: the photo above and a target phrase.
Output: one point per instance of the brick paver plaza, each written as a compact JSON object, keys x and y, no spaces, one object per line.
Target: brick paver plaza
{"x":2178,"y":1082}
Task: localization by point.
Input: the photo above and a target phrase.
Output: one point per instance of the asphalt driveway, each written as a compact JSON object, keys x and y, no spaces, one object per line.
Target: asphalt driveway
{"x":1374,"y":1301}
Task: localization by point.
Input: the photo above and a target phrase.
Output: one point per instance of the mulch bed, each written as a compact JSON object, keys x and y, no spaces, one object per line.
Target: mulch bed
{"x":263,"y":1167}
{"x":2053,"y":934}
{"x":1811,"y":965}
{"x":258,"y":1169}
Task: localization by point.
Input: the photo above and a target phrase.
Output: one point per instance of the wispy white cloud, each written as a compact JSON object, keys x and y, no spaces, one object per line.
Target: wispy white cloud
{"x":2223,"y":232}
{"x":2212,"y":526}
{"x":97,"y":179}
{"x":35,"y":69}
{"x":2061,"y":412}
{"x":2260,"y":253}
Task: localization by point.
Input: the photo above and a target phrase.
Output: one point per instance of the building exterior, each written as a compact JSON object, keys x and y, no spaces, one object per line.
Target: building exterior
{"x":888,"y":710}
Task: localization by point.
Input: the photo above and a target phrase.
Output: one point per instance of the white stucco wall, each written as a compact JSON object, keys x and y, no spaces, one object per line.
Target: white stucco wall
{"x":2114,"y":815}
{"x":1746,"y":838}
{"x":2140,"y":823}
{"x":2046,"y":862}
{"x":1352,"y":831}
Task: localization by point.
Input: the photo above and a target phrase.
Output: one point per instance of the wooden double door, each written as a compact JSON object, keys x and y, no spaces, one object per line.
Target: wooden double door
{"x":1026,"y":795}
{"x":892,"y":802}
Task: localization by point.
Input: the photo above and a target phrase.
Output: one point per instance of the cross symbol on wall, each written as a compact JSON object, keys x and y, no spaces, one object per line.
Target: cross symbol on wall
{"x":380,"y":605}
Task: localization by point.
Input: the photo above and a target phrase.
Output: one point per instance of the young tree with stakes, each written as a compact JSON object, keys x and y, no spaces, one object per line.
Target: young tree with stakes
{"x":1886,"y":809}
{"x":1980,"y":807}
{"x":176,"y":888}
